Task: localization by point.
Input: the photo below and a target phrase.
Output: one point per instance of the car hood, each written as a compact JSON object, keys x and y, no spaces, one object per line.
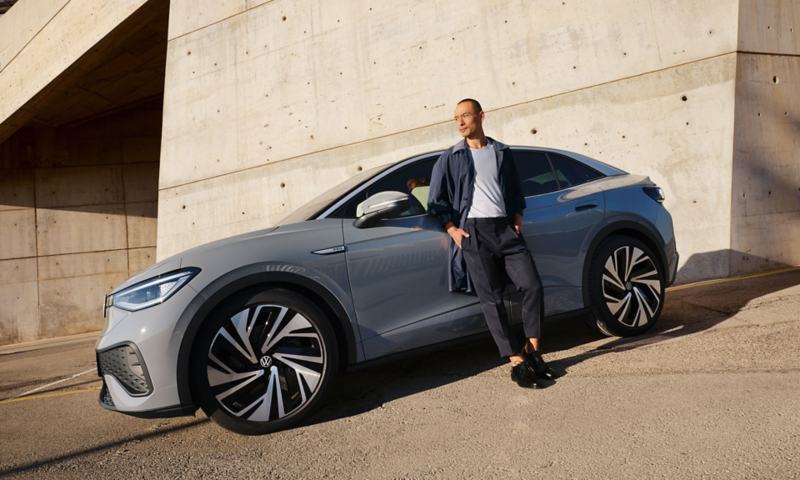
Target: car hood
{"x":175,"y":262}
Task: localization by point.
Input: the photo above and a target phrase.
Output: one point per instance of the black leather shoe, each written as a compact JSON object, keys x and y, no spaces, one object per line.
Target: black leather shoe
{"x":540,"y":368}
{"x":523,"y":374}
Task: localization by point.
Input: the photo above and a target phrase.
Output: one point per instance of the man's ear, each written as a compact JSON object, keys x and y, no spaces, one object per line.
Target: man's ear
{"x":482,"y":115}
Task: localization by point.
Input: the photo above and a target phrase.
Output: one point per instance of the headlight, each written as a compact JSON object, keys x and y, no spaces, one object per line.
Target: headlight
{"x":151,"y":292}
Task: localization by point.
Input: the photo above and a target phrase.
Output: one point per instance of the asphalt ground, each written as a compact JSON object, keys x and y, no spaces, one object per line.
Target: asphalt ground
{"x":712,"y":391}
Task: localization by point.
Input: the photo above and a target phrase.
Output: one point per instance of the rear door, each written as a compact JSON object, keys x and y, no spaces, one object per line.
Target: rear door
{"x":563,"y":209}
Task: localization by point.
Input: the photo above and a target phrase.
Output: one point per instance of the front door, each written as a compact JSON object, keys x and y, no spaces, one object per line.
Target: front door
{"x":398,"y":274}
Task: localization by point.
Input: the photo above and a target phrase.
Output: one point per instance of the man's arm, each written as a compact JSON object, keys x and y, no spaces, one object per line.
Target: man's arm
{"x":439,"y":203}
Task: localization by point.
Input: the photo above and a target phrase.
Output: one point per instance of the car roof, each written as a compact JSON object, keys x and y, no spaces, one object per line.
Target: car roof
{"x":601,"y":167}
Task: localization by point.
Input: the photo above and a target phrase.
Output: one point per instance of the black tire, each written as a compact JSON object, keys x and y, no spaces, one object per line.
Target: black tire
{"x":625,"y":301}
{"x":276,"y":381}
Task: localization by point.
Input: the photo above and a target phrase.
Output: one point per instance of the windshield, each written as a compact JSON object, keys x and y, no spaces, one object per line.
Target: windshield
{"x":315,"y":206}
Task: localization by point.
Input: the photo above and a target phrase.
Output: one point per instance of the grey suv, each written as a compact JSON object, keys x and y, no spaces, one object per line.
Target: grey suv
{"x":253,"y":328}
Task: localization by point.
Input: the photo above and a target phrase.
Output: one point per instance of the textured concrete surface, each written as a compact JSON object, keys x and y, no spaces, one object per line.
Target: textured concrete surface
{"x":274,"y":102}
{"x":78,"y":218}
{"x":713,"y":391}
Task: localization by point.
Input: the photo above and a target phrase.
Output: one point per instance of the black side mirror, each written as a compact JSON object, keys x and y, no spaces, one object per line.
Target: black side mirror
{"x":380,"y":206}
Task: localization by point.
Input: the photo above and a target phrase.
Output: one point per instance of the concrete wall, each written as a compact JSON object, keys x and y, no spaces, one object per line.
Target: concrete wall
{"x":77,"y":216}
{"x":765,"y":192}
{"x":269,"y":103}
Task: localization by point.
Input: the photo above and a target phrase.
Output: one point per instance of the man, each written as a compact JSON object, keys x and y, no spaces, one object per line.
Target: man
{"x":476,"y":193}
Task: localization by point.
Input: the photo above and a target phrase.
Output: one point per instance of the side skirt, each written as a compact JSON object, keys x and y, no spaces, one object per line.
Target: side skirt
{"x":450,"y":343}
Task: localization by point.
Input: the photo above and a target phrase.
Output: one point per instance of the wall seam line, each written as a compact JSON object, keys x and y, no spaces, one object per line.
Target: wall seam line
{"x":34,"y":37}
{"x":125,"y":212}
{"x":77,"y":253}
{"x":766,"y":54}
{"x":36,"y":250}
{"x":160,"y":189}
{"x":219,"y":21}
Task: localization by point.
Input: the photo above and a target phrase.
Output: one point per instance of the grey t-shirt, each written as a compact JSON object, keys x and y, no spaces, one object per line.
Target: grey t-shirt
{"x":487,"y":201}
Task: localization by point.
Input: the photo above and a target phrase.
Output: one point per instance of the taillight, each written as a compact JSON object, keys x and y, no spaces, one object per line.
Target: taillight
{"x":656,"y":193}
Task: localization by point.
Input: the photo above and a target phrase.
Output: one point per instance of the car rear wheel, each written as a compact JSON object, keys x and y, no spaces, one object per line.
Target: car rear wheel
{"x":626,"y":287}
{"x":264,"y":362}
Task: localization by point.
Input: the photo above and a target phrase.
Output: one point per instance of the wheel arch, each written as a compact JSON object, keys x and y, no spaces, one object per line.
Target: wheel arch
{"x":638,"y":230}
{"x":213,"y":297}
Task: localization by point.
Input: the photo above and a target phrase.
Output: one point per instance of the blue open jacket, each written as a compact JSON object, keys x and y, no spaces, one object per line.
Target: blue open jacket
{"x":450,"y":196}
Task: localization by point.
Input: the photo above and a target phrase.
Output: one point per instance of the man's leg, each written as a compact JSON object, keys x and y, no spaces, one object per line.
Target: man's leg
{"x":484,"y":268}
{"x":522,"y":270}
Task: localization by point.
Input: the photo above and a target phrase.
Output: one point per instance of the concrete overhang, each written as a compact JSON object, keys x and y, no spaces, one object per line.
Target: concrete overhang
{"x":86,"y":58}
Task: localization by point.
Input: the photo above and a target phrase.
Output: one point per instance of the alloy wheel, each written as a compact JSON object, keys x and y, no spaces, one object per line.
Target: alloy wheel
{"x":265,"y":363}
{"x":631,"y":286}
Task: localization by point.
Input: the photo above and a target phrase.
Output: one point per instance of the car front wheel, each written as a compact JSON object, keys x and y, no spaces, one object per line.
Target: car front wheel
{"x":626,"y":287}
{"x":264,"y":361}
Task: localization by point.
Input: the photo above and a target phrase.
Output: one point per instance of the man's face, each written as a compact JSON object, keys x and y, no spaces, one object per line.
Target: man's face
{"x":467,"y":119}
{"x":411,"y":184}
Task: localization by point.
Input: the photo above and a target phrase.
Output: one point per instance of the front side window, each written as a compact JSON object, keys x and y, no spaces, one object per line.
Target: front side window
{"x":414,"y":179}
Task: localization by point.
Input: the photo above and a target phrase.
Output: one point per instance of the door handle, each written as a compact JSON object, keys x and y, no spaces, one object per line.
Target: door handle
{"x":585,"y":206}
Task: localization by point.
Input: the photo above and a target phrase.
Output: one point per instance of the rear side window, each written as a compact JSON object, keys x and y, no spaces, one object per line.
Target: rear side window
{"x":570,"y":172}
{"x":565,"y":172}
{"x":587,"y":172}
{"x":535,"y":173}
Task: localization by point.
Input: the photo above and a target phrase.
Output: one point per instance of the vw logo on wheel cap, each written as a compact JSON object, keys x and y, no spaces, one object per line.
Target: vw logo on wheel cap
{"x":266,"y":361}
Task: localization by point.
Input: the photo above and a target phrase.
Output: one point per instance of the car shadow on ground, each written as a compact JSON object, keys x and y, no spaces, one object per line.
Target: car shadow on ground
{"x":686,"y":311}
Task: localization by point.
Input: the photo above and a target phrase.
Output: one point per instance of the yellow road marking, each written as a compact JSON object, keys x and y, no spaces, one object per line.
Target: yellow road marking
{"x":723,"y":280}
{"x":35,"y":397}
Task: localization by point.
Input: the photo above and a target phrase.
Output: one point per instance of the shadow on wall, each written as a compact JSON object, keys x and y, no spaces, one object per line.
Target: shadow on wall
{"x":698,"y":266}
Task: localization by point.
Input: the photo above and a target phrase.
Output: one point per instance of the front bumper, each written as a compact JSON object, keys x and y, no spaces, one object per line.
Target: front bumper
{"x":137,"y":358}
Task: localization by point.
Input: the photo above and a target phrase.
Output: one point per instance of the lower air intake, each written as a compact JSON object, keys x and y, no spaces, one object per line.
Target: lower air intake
{"x":125,"y":364}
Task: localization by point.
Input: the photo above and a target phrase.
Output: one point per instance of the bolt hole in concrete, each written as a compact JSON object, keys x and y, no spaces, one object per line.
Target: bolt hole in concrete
{"x":774,"y":79}
{"x":283,"y":185}
{"x":684,"y":98}
{"x":533,"y":131}
{"x":283,"y":19}
{"x":359,"y":168}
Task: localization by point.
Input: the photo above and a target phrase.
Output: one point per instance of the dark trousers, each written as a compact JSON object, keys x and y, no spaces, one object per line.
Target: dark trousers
{"x":493,"y":246}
